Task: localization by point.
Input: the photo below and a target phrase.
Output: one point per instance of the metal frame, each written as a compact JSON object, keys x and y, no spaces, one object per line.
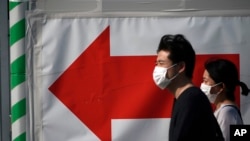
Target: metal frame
{"x":5,"y":123}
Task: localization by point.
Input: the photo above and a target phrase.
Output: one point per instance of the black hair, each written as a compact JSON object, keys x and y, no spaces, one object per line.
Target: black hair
{"x":180,"y":50}
{"x":225,"y":71}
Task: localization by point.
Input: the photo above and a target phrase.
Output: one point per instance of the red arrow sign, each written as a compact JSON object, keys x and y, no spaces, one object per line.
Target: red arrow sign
{"x":97,"y":88}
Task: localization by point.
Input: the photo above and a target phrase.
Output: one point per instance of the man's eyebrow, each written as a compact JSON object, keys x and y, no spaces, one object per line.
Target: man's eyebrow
{"x":160,"y":61}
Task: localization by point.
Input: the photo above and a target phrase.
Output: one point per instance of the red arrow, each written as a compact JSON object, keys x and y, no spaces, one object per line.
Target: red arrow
{"x":97,"y":87}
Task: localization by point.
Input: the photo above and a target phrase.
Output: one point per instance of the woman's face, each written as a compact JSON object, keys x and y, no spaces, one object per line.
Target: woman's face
{"x":209,"y":81}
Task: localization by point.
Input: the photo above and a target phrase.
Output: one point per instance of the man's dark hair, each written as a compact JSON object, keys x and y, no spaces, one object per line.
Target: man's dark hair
{"x":180,"y":50}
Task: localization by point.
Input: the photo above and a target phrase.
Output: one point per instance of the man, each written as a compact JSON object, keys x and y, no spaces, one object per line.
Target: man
{"x":192,"y":116}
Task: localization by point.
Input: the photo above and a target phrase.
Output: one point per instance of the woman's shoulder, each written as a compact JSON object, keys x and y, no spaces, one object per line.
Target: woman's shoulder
{"x":228,"y":109}
{"x":228,"y":112}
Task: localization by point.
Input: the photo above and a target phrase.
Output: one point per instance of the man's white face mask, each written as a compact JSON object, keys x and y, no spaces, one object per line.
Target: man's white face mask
{"x":159,"y":76}
{"x":206,"y":89}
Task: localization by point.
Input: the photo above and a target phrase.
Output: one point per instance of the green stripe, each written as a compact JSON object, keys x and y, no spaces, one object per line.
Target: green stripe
{"x":17,"y":79}
{"x":13,"y":5}
{"x":17,"y":31}
{"x":18,"y":71}
{"x":21,"y":137}
{"x":18,"y":66}
{"x":18,"y":110}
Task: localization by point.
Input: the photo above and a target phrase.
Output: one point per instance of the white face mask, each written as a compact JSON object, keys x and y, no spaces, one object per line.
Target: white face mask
{"x":159,"y":76}
{"x":206,"y":89}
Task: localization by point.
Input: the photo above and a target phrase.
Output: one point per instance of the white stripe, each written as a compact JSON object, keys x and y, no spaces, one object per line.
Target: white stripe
{"x":16,"y":50}
{"x":18,"y":93}
{"x":18,"y":0}
{"x":150,"y":129}
{"x":17,"y":14}
{"x":211,"y":35}
{"x":19,"y":127}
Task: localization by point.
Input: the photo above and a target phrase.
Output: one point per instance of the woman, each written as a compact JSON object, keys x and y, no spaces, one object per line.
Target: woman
{"x":220,"y":79}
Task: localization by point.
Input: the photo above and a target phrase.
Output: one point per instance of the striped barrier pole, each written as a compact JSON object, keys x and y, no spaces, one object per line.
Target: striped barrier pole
{"x":17,"y":71}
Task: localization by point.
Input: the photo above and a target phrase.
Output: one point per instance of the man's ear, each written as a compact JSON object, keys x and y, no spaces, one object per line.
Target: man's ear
{"x":182,"y":67}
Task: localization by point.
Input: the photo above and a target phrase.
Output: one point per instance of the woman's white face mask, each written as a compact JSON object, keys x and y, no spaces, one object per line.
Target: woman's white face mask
{"x":206,"y":89}
{"x":159,"y":76}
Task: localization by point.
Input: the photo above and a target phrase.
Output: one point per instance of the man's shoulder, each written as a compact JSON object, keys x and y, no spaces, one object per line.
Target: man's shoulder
{"x":192,"y":92}
{"x":193,"y":95}
{"x":193,"y":88}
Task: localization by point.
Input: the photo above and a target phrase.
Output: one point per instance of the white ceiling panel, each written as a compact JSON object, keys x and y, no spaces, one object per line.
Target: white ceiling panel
{"x":138,"y":5}
{"x":173,"y":5}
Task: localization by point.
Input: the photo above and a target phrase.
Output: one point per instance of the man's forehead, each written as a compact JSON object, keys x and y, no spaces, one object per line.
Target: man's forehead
{"x":162,"y":55}
{"x":162,"y":58}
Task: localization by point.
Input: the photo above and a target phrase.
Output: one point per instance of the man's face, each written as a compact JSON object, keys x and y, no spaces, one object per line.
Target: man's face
{"x":163,"y":61}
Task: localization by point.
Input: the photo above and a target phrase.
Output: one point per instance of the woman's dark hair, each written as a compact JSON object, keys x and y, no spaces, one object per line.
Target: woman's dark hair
{"x":180,"y":50}
{"x":225,"y":71}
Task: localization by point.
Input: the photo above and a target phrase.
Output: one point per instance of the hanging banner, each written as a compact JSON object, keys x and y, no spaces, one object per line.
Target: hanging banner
{"x":91,"y":78}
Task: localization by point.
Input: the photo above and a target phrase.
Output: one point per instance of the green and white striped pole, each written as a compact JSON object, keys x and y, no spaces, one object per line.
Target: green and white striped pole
{"x":17,"y":71}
